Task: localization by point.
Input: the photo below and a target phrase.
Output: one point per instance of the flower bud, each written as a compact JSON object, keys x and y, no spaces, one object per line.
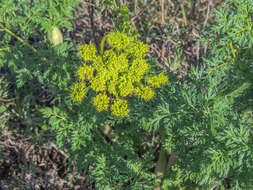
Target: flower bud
{"x":55,"y":36}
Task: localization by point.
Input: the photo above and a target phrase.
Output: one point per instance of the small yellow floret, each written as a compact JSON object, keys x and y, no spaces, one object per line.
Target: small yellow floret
{"x":138,"y":49}
{"x":101,"y":102}
{"x":78,"y":91}
{"x":158,"y":80}
{"x":118,"y":40}
{"x":88,"y":52}
{"x":121,"y":64}
{"x":137,"y":70}
{"x":145,"y":92}
{"x":85,"y":72}
{"x":120,"y":108}
{"x":98,"y":64}
{"x":109,"y":56}
{"x":125,"y":86}
{"x":98,"y":84}
{"x":112,"y":87}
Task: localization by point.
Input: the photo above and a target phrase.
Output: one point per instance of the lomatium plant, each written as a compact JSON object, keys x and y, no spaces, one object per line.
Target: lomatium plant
{"x":116,"y":74}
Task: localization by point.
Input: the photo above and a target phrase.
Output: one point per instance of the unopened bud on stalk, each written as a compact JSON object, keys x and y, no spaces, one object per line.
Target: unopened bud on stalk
{"x":55,"y":36}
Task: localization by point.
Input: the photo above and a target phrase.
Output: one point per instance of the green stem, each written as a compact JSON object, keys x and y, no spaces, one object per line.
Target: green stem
{"x":3,"y":28}
{"x":2,"y":49}
{"x":18,"y":38}
{"x":162,"y":163}
{"x":102,"y":44}
{"x":218,"y":67}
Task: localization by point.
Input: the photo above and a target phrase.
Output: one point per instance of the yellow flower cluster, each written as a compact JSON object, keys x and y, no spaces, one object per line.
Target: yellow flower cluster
{"x":88,"y":52}
{"x":125,"y":86}
{"x":118,"y":40}
{"x":78,"y":91}
{"x":85,"y":72}
{"x":115,"y":74}
{"x":158,"y":80}
{"x":120,"y":108}
{"x":101,"y":102}
{"x":138,"y":69}
{"x":137,"y":49}
{"x":145,"y":92}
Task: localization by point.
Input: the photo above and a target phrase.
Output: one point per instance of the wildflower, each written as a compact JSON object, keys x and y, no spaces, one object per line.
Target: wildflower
{"x":118,"y":40}
{"x":121,"y":63}
{"x":85,"y":72}
{"x":116,"y":73}
{"x":98,"y":84}
{"x":137,"y":49}
{"x":98,"y":64}
{"x":145,"y":92}
{"x":120,"y":108}
{"x":88,"y":52}
{"x":109,"y":56}
{"x":125,"y":86}
{"x":158,"y":80}
{"x":137,"y":70}
{"x":112,"y":87}
{"x":101,"y":102}
{"x":78,"y":91}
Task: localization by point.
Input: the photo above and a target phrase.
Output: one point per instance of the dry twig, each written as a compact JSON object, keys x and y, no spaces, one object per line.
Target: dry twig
{"x":142,"y":10}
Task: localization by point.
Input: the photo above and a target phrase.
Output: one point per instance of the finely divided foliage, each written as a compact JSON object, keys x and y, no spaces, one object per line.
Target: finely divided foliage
{"x":125,"y":124}
{"x":206,"y":116}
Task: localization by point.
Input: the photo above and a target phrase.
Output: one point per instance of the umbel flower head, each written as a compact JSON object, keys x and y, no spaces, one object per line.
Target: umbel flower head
{"x":115,"y":74}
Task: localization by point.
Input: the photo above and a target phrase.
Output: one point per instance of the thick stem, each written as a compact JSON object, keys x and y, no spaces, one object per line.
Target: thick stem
{"x":161,"y":168}
{"x":162,"y":163}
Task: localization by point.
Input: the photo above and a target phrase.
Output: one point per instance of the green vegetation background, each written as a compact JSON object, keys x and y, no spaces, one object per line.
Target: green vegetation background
{"x":196,"y":133}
